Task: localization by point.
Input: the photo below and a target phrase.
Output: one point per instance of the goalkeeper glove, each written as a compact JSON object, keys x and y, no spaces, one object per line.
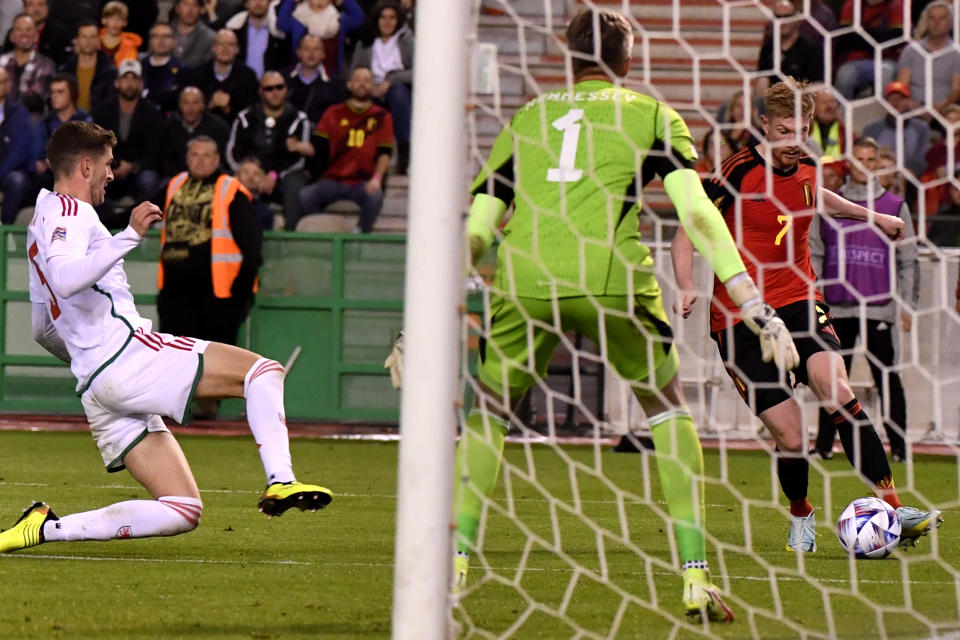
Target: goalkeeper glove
{"x":394,"y":362}
{"x":775,"y":341}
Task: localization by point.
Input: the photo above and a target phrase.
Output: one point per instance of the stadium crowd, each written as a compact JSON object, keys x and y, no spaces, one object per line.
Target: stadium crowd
{"x":256,"y":76}
{"x":918,"y":116}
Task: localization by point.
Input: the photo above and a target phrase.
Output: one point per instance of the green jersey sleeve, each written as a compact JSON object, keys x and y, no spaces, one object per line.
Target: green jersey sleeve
{"x":673,"y":147}
{"x":499,"y":167}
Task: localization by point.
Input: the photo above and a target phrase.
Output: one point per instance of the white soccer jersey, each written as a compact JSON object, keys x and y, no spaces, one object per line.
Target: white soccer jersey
{"x":98,"y":321}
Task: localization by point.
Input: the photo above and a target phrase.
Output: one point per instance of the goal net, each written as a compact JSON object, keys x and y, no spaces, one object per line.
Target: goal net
{"x":576,"y":540}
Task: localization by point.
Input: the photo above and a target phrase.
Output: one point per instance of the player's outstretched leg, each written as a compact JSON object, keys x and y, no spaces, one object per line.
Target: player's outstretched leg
{"x":478,"y":459}
{"x":263,"y":389}
{"x":234,"y":372}
{"x":167,"y":516}
{"x":863,"y":449}
{"x":28,"y":530}
{"x":861,"y":444}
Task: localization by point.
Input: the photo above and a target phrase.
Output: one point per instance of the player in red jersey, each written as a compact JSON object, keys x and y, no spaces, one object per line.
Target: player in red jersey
{"x":769,"y":196}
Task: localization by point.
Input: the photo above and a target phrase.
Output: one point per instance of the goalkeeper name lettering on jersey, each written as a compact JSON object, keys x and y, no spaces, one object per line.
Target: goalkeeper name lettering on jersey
{"x":573,"y":163}
{"x":98,"y":321}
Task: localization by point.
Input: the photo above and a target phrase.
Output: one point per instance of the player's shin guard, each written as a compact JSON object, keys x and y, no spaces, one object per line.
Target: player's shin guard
{"x":479,"y":454}
{"x":863,"y":449}
{"x":167,"y":516}
{"x":680,"y":465}
{"x":793,"y":471}
{"x":263,"y":389}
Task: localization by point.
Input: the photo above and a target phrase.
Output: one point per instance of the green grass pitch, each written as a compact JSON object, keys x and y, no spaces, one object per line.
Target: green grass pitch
{"x":329,"y":574}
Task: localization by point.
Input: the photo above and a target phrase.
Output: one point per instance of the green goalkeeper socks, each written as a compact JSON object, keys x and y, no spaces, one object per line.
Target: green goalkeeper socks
{"x":477,"y":465}
{"x":680,"y":464}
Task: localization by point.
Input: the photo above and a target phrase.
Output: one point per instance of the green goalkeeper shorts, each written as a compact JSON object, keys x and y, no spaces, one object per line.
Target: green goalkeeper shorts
{"x":523,"y":332}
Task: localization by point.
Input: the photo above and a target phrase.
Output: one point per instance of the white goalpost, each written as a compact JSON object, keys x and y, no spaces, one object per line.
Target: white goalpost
{"x":433,"y":289}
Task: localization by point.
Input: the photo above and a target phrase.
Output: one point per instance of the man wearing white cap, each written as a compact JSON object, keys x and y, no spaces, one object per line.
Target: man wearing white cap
{"x":136,"y":122}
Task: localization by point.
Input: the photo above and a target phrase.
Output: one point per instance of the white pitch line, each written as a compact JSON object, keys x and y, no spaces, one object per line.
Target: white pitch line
{"x":388,"y":496}
{"x":37,"y":556}
{"x":390,"y":565}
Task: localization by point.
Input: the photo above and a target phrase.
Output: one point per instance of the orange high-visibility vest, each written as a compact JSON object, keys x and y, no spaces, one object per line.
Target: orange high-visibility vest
{"x":225,"y":255}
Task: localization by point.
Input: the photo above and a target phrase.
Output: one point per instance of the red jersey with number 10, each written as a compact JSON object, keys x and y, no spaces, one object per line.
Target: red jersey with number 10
{"x":768,"y":212}
{"x":356,"y":139}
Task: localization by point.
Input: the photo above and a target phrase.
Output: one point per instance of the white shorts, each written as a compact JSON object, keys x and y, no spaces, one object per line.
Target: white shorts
{"x":155,"y":374}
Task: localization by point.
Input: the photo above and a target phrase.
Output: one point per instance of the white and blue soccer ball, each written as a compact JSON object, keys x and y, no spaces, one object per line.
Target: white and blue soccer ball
{"x":869,"y":528}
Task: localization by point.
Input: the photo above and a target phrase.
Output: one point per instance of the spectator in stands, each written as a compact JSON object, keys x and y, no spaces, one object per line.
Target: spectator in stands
{"x":936,"y":23}
{"x":228,"y":85}
{"x":709,"y":161}
{"x":207,"y":214}
{"x":388,"y":53}
{"x":92,"y":67}
{"x":136,"y":122}
{"x":352,"y":146}
{"x":821,"y":17}
{"x":263,"y":46}
{"x":312,"y":89}
{"x":193,"y":40}
{"x":63,"y":108}
{"x":52,"y":42}
{"x":890,"y":177}
{"x":217,"y":12}
{"x":944,"y":228}
{"x":916,"y":132}
{"x":936,"y":195}
{"x":834,"y":173}
{"x":330,"y":20}
{"x":163,"y":73}
{"x":827,"y":131}
{"x":144,"y":14}
{"x":192,"y":121}
{"x":279,"y":134}
{"x":882,"y":20}
{"x":855,"y":262}
{"x":16,"y":147}
{"x":798,"y":57}
{"x":8,"y":11}
{"x":250,"y":174}
{"x":733,"y":125}
{"x":29,"y":71}
{"x":120,"y":45}
{"x":937,"y":154}
{"x":69,"y":13}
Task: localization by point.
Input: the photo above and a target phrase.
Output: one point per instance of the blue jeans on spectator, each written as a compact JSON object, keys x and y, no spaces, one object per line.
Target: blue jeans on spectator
{"x":855,"y":75}
{"x":320,"y":194}
{"x":14,"y":187}
{"x":399,"y":102}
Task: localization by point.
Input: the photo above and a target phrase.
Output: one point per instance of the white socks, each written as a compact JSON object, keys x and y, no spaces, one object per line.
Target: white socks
{"x":263,"y":389}
{"x":167,"y":516}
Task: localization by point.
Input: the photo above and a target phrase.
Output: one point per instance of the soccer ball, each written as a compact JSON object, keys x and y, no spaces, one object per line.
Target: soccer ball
{"x":868,"y":528}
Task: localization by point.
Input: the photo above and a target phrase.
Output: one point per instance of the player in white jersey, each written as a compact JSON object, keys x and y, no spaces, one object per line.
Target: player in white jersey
{"x":127,"y":375}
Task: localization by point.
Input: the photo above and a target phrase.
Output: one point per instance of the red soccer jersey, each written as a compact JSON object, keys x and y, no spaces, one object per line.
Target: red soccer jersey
{"x":768,"y":212}
{"x":356,"y":139}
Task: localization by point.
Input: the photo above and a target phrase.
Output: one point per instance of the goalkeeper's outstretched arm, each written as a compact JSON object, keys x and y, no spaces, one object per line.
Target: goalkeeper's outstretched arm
{"x":707,"y":231}
{"x":492,"y":194}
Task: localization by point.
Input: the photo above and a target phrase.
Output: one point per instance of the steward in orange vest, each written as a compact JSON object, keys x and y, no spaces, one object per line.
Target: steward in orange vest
{"x":211,"y":250}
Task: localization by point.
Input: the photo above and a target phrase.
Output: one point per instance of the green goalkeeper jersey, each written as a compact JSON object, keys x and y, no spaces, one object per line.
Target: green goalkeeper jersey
{"x":573,"y":163}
